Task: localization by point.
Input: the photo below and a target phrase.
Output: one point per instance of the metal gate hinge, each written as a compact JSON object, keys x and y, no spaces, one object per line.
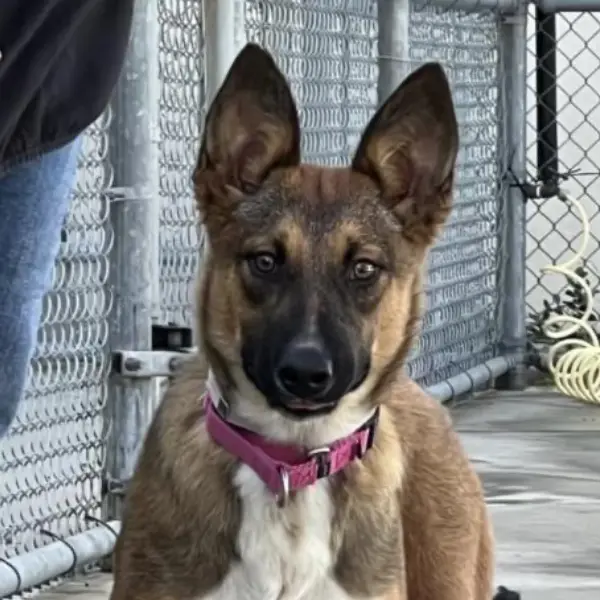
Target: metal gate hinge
{"x":144,"y":364}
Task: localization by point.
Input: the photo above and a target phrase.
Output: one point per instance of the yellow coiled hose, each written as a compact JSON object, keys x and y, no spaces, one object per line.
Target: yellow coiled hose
{"x":576,"y":370}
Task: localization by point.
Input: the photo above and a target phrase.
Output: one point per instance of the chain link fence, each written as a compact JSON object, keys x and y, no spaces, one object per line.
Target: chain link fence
{"x":328,"y":50}
{"x":52,"y":462}
{"x":463,"y":268}
{"x":181,"y":113}
{"x":563,"y":147}
{"x":132,"y":244}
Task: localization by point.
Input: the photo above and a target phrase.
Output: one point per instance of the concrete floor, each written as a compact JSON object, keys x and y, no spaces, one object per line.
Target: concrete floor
{"x":539,"y":456}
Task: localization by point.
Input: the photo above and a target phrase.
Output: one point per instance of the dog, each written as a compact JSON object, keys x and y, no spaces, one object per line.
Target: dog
{"x":292,"y":458}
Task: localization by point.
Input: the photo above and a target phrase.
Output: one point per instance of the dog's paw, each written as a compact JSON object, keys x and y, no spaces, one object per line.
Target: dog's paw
{"x":503,"y":593}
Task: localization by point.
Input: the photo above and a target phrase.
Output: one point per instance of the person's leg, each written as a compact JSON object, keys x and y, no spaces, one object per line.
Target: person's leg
{"x":34,"y":200}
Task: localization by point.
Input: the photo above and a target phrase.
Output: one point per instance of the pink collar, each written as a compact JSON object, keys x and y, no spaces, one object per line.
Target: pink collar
{"x":286,"y":468}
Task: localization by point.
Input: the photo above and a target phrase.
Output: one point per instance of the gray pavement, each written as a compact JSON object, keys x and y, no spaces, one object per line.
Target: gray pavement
{"x":539,"y":457}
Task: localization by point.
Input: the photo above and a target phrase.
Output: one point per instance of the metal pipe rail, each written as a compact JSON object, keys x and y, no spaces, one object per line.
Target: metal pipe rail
{"x":44,"y":564}
{"x":511,"y":6}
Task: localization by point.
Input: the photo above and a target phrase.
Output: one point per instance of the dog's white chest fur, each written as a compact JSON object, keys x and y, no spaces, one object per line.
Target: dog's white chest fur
{"x":281,"y":559}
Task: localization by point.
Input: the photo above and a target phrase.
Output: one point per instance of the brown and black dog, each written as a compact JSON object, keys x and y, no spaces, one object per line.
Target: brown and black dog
{"x":293,"y":459}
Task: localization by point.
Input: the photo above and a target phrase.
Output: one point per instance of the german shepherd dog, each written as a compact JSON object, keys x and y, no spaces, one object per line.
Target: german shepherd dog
{"x":293,"y":458}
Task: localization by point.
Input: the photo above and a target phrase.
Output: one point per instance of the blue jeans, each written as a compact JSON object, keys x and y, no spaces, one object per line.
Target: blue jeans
{"x":34,"y":201}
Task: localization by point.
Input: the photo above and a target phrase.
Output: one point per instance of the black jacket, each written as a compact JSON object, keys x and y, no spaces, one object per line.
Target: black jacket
{"x":60,"y":60}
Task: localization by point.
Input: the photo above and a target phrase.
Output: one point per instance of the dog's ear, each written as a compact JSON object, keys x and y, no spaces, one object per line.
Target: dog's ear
{"x":251,"y":128}
{"x":409,"y":148}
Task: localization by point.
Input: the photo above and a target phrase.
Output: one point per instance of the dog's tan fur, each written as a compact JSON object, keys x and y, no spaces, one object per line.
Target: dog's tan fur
{"x":409,"y":520}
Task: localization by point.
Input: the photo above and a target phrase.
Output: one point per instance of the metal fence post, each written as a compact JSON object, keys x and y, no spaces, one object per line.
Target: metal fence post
{"x":134,"y":258}
{"x":394,"y":57}
{"x":225,"y":36}
{"x":512,"y":216}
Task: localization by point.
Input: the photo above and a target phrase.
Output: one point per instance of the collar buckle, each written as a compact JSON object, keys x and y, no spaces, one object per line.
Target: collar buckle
{"x":322,"y":456}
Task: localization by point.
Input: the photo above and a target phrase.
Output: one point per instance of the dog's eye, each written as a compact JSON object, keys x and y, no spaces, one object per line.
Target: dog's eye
{"x":263,"y":263}
{"x":364,"y":271}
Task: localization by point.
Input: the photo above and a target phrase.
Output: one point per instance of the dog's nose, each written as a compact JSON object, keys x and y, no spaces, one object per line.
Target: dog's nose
{"x":305,"y":370}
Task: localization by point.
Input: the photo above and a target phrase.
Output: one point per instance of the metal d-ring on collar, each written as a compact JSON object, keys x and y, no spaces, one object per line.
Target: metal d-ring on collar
{"x":284,"y":495}
{"x":323,"y":467}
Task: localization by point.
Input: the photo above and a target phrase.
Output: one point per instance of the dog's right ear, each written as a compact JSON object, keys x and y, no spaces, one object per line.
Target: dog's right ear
{"x":251,"y":128}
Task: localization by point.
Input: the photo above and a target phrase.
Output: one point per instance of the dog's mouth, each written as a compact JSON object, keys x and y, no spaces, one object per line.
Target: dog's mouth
{"x":302,"y":409}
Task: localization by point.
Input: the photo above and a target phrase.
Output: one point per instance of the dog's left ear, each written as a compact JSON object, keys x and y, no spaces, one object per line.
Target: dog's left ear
{"x":409,"y":148}
{"x":251,"y":128}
